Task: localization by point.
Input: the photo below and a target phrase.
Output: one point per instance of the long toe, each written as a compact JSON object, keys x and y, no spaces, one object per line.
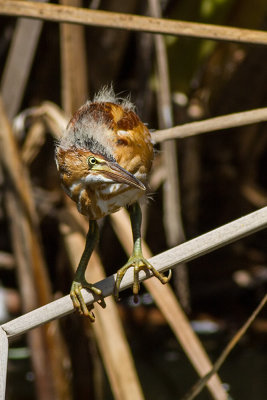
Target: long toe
{"x":78,"y":300}
{"x":138,"y":263}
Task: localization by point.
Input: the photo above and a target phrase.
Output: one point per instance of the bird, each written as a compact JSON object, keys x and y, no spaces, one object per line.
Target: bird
{"x":104,"y":158}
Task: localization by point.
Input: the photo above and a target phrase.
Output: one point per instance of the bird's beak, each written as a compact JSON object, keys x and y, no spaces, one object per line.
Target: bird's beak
{"x":116,"y":173}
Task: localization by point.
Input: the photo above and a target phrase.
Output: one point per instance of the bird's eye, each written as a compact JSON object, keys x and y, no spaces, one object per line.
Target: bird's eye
{"x":91,"y":161}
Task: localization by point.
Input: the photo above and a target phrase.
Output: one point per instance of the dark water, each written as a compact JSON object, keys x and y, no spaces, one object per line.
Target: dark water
{"x":164,"y":371}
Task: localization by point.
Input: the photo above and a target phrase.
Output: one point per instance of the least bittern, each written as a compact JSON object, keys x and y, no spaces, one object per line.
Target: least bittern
{"x":104,"y":158}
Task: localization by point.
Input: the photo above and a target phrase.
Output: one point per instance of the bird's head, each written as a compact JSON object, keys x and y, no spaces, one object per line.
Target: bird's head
{"x":102,"y":170}
{"x":81,"y":166}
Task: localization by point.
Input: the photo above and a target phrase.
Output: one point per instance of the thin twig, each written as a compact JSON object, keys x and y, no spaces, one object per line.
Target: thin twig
{"x":57,"y":13}
{"x":212,"y":124}
{"x":203,"y":381}
{"x":57,"y":122}
{"x":185,"y":252}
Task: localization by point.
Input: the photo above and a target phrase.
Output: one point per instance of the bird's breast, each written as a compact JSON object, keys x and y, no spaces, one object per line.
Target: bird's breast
{"x":104,"y":199}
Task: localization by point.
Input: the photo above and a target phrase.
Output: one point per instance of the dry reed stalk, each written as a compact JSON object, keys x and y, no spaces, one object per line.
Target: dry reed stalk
{"x":3,"y":362}
{"x":212,"y":125}
{"x":171,"y":310}
{"x":74,"y":15}
{"x":21,"y":232}
{"x":74,"y":85}
{"x":7,"y":261}
{"x":109,"y":333}
{"x":157,"y":177}
{"x":53,"y":116}
{"x":33,"y":143}
{"x":254,"y":195}
{"x":114,"y":347}
{"x":19,"y":61}
{"x":171,"y":189}
{"x":16,"y":171}
{"x":185,"y":252}
{"x":57,"y":122}
{"x":196,"y":389}
{"x":46,"y":344}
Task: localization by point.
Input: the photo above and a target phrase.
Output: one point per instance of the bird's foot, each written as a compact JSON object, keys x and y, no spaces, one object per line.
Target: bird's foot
{"x":78,"y":300}
{"x":138,"y":263}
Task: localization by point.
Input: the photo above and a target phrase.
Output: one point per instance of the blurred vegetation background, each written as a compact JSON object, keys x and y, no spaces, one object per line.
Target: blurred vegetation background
{"x":221,"y":176}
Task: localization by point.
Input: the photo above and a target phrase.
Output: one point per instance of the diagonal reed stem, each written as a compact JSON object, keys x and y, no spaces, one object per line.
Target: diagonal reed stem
{"x":185,"y":252}
{"x":196,"y":389}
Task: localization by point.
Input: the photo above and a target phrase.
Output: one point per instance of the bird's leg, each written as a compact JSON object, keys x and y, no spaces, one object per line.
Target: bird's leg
{"x":79,"y":280}
{"x":137,"y":260}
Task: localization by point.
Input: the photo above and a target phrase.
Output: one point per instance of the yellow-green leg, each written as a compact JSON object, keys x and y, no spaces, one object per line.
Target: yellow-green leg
{"x":137,"y":260}
{"x":79,"y":280}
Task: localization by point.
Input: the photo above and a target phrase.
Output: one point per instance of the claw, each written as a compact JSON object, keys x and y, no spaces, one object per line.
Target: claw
{"x":139,"y":263}
{"x":78,"y":300}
